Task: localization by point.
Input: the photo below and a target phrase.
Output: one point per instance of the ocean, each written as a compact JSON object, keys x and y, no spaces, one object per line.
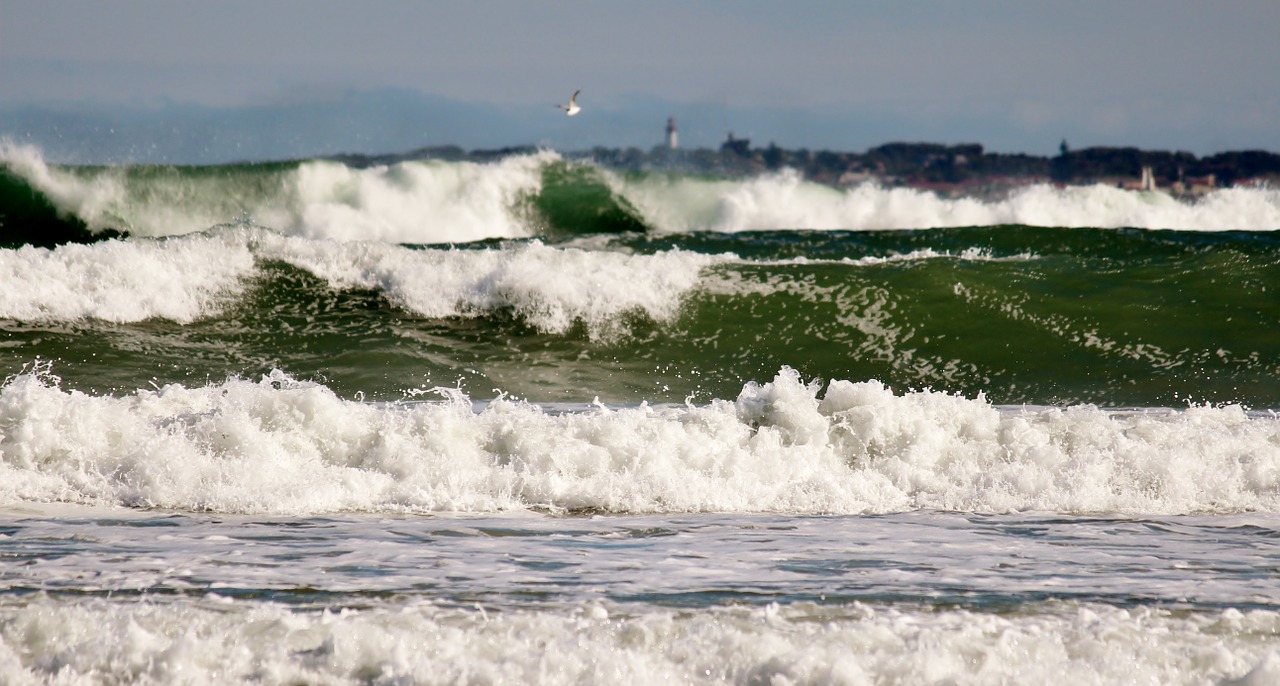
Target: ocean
{"x":535,"y":420}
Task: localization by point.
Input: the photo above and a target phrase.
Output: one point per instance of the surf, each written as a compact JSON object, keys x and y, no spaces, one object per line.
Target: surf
{"x":282,"y":446}
{"x":410,"y":202}
{"x":542,"y":194}
{"x":785,"y":200}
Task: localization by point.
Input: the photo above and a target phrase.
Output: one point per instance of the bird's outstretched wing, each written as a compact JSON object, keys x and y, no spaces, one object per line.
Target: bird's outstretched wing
{"x":572,"y":108}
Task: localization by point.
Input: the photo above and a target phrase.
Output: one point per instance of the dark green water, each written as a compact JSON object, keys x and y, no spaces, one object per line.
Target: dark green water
{"x":1021,"y":314}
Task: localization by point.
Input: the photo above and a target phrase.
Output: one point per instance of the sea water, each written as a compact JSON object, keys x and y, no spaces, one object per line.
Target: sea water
{"x":533,"y":421}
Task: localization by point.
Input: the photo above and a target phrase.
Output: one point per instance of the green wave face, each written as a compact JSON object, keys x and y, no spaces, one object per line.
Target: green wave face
{"x":410,"y":202}
{"x":1018,"y":314}
{"x":29,"y":217}
{"x":568,"y":282}
{"x":433,"y":201}
{"x":1054,"y":328}
{"x":577,"y":199}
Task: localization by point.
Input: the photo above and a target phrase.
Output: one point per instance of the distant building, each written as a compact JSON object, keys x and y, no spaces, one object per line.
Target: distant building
{"x":741,"y":146}
{"x":672,"y":137}
{"x":1198,"y":185}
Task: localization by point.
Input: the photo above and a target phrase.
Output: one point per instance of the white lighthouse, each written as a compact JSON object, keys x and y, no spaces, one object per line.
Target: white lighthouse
{"x":672,"y":142}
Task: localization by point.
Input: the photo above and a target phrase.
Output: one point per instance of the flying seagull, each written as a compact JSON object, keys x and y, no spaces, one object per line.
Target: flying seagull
{"x":572,"y":108}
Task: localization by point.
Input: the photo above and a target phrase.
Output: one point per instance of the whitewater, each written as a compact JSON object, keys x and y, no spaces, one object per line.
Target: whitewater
{"x":281,"y":447}
{"x":536,"y":420}
{"x":442,"y":202}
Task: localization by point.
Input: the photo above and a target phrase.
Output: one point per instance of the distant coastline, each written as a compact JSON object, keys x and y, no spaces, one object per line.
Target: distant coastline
{"x":951,"y":170}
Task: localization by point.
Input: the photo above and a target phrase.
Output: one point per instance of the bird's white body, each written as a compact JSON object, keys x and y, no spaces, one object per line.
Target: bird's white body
{"x":572,"y":108}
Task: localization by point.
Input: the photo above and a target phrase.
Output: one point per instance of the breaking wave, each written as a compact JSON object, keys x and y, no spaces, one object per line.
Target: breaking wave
{"x":434,"y":201}
{"x":288,"y":447}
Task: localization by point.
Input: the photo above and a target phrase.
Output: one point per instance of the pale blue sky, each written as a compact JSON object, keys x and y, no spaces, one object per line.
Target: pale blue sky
{"x":1017,"y":76}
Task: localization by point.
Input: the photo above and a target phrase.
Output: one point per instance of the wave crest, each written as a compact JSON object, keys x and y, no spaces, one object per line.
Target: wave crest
{"x":784,"y":200}
{"x":434,"y":201}
{"x":287,"y":447}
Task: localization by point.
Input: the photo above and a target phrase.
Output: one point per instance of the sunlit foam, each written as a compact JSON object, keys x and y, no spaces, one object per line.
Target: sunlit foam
{"x":438,"y":201}
{"x":287,"y":447}
{"x":786,"y":201}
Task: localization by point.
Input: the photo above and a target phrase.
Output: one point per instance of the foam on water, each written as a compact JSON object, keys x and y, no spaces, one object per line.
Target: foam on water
{"x":967,"y":255}
{"x":192,"y":277}
{"x":219,"y":640}
{"x":408,"y":202}
{"x":414,"y":202}
{"x":527,"y":558}
{"x":550,"y":288}
{"x":124,"y":281}
{"x":280,"y":446}
{"x":437,"y":201}
{"x":785,"y":200}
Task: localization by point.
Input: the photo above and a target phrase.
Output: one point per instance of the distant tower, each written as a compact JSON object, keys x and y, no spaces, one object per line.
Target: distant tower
{"x":672,"y":142}
{"x":1148,"y":182}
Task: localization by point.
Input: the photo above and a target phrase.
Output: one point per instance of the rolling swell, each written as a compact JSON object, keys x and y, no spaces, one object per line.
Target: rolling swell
{"x":412,"y":202}
{"x":1017,"y":314}
{"x":571,"y":286}
{"x":432,"y":201}
{"x":1021,"y":315}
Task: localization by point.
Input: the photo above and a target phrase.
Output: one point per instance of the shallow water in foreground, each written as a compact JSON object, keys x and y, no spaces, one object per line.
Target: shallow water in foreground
{"x":914,"y":597}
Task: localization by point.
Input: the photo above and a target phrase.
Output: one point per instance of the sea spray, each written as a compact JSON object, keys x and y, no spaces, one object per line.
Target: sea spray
{"x":414,"y":202}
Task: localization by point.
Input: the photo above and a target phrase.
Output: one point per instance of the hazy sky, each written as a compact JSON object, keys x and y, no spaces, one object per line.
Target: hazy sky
{"x":1016,"y":75}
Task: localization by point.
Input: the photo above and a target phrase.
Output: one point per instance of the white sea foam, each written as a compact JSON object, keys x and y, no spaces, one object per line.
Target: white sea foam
{"x":186,"y":278}
{"x":971,"y":254}
{"x":123,"y":281}
{"x":414,"y":202}
{"x":437,"y":201}
{"x":408,"y":202}
{"x":785,"y":201}
{"x":192,"y":277}
{"x":284,"y":447}
{"x":220,"y":640}
{"x":550,"y":288}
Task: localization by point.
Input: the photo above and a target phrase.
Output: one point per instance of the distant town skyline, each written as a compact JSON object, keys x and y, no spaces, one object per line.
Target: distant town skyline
{"x":379,"y":76}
